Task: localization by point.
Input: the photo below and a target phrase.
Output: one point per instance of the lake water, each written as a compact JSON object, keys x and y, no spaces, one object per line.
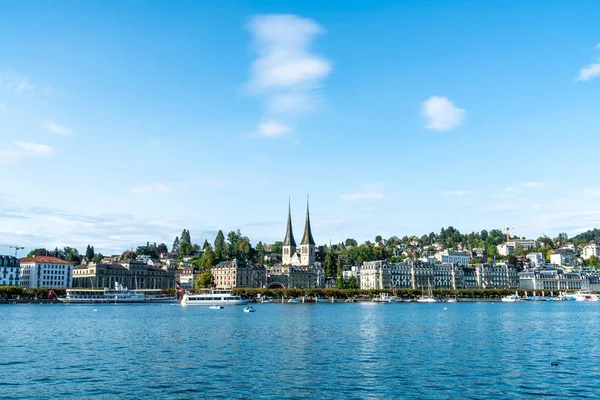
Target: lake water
{"x":301,"y":351}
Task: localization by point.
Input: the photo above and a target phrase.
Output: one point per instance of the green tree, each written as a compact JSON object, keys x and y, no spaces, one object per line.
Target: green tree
{"x":208,"y":258}
{"x":97,"y":259}
{"x":350,"y":242}
{"x":277,"y":247}
{"x":330,"y":269}
{"x":89,"y":252}
{"x":220,"y":250}
{"x":340,"y":283}
{"x":162,"y":248}
{"x":260,"y":250}
{"x":175,"y":248}
{"x":352,"y":283}
{"x":204,"y":280}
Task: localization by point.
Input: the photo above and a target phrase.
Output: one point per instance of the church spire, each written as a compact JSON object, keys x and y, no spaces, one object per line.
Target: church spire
{"x":307,"y":238}
{"x":289,"y":234}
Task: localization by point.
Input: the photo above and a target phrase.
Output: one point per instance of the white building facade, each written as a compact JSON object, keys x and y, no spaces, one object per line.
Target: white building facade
{"x":9,"y":271}
{"x":591,"y":249}
{"x":44,"y":271}
{"x":453,"y":257}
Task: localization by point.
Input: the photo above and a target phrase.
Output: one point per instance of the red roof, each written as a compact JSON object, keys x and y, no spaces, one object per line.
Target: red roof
{"x":43,"y":259}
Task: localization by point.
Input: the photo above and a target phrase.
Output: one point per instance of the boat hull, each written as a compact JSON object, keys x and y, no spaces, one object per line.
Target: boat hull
{"x":117,"y":301}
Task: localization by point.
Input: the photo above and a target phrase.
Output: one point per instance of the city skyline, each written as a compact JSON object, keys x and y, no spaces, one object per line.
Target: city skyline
{"x":129,"y":122}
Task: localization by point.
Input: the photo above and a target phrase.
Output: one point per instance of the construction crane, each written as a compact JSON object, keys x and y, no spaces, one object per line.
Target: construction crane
{"x":508,"y":228}
{"x":17,"y":248}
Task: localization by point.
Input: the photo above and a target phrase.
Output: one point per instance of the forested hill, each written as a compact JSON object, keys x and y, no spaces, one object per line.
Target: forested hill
{"x":586,"y":237}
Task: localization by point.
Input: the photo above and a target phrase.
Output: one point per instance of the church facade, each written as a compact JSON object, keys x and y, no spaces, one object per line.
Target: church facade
{"x":298,"y":268}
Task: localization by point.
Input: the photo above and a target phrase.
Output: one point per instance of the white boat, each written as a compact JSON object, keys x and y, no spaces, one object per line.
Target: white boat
{"x":120,"y":294}
{"x":451,"y":300}
{"x":249,"y":309}
{"x":216,"y":307}
{"x":427,"y":298}
{"x":213,"y":298}
{"x":511,"y":298}
{"x":584,"y":296}
{"x":385,"y":298}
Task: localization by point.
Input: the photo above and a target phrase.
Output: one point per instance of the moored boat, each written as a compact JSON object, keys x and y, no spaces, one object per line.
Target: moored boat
{"x":212,"y":298}
{"x":120,"y":294}
{"x":385,"y":298}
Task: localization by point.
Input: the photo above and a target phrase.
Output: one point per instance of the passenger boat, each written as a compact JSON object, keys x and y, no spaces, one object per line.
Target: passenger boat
{"x":120,"y":294}
{"x":385,"y":298}
{"x":584,"y":296}
{"x":213,"y":298}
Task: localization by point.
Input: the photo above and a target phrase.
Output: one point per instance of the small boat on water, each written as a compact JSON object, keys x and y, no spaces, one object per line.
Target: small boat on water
{"x":216,"y":307}
{"x":213,"y":298}
{"x":511,"y":298}
{"x":294,"y":301}
{"x":385,"y":298}
{"x":249,"y":309}
{"x":451,"y":300}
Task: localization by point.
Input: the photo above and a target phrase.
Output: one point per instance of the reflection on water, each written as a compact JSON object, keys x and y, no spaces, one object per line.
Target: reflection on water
{"x":321,"y":351}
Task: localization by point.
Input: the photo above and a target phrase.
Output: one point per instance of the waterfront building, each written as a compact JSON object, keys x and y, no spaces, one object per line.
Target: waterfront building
{"x":496,"y":276}
{"x":239,"y":274}
{"x":453,"y":257}
{"x":186,"y":277}
{"x":10,"y":271}
{"x":45,"y":271}
{"x":384,"y":275}
{"x":130,"y":273}
{"x":591,"y":249}
{"x":554,"y":279}
{"x":292,"y":276}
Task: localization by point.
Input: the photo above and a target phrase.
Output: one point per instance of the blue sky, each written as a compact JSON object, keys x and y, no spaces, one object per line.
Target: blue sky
{"x":123,"y":122}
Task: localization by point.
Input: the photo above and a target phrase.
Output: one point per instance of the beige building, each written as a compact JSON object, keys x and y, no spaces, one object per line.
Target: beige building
{"x":130,"y":273}
{"x":232,"y":274}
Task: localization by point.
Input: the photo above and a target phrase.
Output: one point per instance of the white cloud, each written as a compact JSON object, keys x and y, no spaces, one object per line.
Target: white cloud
{"x":441,"y":114}
{"x":159,"y":188}
{"x":286,"y":74}
{"x":18,"y":84}
{"x":23,"y":150}
{"x":57,"y":128}
{"x":532,"y":184}
{"x":589,"y":71}
{"x":273,"y":129}
{"x":372,"y":191}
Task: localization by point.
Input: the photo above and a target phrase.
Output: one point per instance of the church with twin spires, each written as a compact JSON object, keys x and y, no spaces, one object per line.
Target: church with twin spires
{"x":298,"y":268}
{"x":305,"y":254}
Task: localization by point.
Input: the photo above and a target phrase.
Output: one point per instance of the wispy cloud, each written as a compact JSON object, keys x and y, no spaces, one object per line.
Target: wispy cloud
{"x":18,"y":150}
{"x":590,"y":71}
{"x":372,"y":191}
{"x":286,"y":74}
{"x":18,"y":84}
{"x":456,"y":193}
{"x":591,"y":192}
{"x":273,"y":129}
{"x":158,"y":188}
{"x":441,"y":114}
{"x":56,"y":128}
{"x":533,"y":185}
